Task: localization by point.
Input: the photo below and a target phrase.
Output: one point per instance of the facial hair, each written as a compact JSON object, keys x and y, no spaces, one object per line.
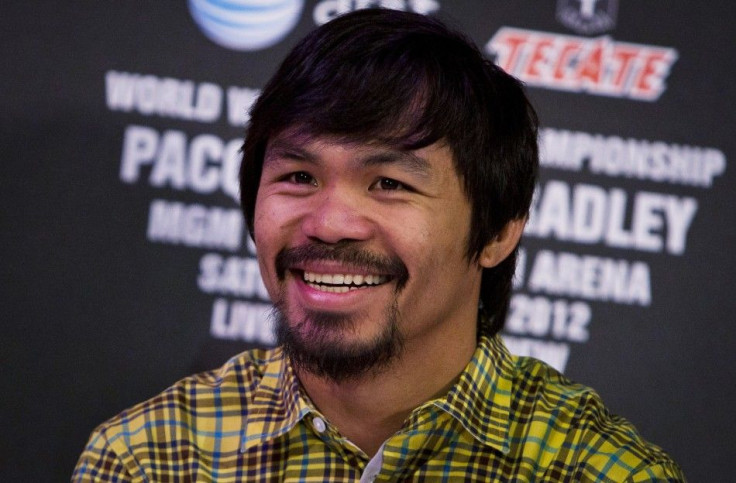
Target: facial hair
{"x":320,"y":349}
{"x":317,"y":342}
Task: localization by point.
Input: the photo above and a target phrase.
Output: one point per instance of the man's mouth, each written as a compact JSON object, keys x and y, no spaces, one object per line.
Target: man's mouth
{"x":342,"y":283}
{"x":340,"y":268}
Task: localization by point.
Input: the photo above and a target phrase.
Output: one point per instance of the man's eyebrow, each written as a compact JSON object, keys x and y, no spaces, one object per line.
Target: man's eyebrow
{"x":280,"y":149}
{"x":405,"y":159}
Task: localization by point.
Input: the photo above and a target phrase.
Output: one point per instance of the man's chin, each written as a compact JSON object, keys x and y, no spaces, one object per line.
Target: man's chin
{"x":325,"y":344}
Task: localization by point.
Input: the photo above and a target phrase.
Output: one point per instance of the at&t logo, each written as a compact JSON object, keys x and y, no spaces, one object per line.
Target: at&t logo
{"x":246,"y":24}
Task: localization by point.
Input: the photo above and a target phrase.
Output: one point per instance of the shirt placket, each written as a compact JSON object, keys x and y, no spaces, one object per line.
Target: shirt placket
{"x":338,"y":444}
{"x":398,"y":454}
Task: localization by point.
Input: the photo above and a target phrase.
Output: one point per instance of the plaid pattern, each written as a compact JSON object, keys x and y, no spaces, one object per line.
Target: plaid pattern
{"x":506,"y":419}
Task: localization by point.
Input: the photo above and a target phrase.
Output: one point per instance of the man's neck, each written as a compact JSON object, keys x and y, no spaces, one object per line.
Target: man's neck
{"x":370,"y":409}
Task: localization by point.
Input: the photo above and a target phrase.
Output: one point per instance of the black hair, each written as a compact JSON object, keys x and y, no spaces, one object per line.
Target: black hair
{"x":407,"y":80}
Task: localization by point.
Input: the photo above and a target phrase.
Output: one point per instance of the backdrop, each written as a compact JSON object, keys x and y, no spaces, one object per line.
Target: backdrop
{"x":126,"y":265}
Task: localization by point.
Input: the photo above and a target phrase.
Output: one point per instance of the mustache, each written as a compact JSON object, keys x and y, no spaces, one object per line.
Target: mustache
{"x":347,"y":253}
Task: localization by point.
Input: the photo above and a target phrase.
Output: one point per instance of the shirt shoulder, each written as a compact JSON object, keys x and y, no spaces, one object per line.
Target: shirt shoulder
{"x":562,"y":424}
{"x":198,"y":417}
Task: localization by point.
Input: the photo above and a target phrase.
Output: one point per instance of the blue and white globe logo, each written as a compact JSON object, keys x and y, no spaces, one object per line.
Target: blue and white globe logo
{"x":246,"y":24}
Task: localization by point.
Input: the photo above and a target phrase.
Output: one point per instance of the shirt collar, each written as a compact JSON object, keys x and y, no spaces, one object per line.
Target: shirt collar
{"x":480,"y":400}
{"x":277,"y":404}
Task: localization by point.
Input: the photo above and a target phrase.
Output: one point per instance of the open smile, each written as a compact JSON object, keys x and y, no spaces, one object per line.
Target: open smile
{"x":342,"y":282}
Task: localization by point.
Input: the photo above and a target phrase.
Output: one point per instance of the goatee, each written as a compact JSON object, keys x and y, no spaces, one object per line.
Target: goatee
{"x":318,"y":344}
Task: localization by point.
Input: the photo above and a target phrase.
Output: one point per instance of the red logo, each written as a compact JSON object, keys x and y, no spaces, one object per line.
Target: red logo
{"x":600,"y":66}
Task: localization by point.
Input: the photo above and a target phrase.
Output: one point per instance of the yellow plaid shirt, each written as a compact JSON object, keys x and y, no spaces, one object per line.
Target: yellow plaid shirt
{"x":507,"y":418}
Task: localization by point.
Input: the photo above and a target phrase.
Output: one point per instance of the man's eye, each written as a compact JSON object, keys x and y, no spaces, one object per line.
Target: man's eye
{"x":389,"y":184}
{"x":302,"y":177}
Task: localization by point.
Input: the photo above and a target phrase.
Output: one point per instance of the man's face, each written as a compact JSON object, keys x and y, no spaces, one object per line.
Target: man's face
{"x":362,"y":248}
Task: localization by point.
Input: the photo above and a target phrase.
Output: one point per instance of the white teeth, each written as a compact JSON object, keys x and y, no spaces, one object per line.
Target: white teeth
{"x":341,"y":283}
{"x":333,"y":288}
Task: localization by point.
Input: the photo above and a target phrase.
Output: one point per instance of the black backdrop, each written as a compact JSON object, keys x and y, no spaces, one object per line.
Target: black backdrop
{"x":126,"y":268}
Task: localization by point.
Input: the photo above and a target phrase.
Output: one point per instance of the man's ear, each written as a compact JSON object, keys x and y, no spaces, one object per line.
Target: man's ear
{"x":503,"y":244}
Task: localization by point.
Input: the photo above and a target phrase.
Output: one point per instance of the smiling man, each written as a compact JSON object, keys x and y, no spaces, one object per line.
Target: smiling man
{"x":387,"y":174}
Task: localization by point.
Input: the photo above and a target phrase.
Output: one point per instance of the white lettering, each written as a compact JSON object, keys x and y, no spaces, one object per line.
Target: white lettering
{"x":590,"y":277}
{"x":166,"y":97}
{"x":194,"y":225}
{"x":139,"y":148}
{"x":231,"y":276}
{"x":170,"y":166}
{"x":679,"y":214}
{"x":589,"y":214}
{"x":203,"y":177}
{"x":541,"y":317}
{"x":616,"y":235}
{"x":242,"y":321}
{"x":203,"y":165}
{"x":631,"y":158}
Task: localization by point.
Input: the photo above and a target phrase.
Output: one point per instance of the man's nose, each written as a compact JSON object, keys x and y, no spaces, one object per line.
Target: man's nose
{"x":337,"y":215}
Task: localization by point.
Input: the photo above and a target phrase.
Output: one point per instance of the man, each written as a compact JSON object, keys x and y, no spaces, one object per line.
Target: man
{"x":387,"y":174}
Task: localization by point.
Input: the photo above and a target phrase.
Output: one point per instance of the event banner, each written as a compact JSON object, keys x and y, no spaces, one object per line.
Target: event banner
{"x":128,"y":264}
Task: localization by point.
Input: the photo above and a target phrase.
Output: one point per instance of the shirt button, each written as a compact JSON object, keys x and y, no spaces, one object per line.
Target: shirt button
{"x":319,"y":424}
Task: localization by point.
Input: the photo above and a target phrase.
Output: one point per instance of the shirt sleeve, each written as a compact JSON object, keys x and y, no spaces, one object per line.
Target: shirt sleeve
{"x":100,"y":463}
